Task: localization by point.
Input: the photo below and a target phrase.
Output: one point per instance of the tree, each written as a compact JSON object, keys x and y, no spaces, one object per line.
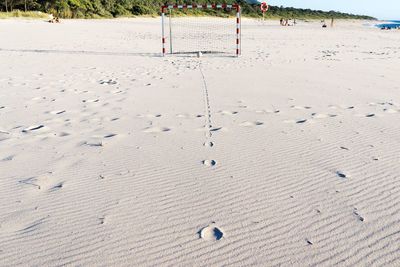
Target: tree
{"x":115,"y":8}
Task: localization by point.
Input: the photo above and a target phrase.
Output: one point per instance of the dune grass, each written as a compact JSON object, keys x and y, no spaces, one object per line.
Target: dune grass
{"x":22,"y":14}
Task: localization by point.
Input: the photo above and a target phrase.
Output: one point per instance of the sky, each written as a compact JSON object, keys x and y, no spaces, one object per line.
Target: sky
{"x":381,"y":9}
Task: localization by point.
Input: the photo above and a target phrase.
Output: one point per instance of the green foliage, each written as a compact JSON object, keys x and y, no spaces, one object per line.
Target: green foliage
{"x":117,"y":8}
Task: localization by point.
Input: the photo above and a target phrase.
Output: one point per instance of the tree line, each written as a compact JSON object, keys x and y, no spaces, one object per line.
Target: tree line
{"x":118,"y":8}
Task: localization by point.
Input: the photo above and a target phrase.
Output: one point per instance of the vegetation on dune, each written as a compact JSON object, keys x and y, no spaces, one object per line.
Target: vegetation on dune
{"x":123,"y":8}
{"x":22,"y":14}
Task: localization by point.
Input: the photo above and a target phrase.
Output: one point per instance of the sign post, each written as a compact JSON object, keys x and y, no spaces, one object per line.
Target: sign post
{"x":264,"y":8}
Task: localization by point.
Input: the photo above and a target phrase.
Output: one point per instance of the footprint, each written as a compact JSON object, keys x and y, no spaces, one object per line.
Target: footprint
{"x":342,"y":174}
{"x":33,"y":225}
{"x":357,"y":214}
{"x":9,"y":158}
{"x":251,"y":123}
{"x":56,"y":187}
{"x":32,"y":128}
{"x":323,"y":116}
{"x":319,"y":116}
{"x":42,"y":183}
{"x":149,"y":116}
{"x":217,"y":129}
{"x":211,"y":233}
{"x":209,"y":144}
{"x":156,"y":129}
{"x":370,"y":115}
{"x":300,"y":107}
{"x":57,"y":112}
{"x":91,"y":100}
{"x":226,"y":112}
{"x":63,"y":134}
{"x":108,"y":82}
{"x":268,"y":111}
{"x":116,"y":92}
{"x":390,"y":110}
{"x":188,"y":116}
{"x":102,"y":220}
{"x":301,"y":121}
{"x":110,"y":135}
{"x":209,"y":163}
{"x":20,"y":221}
{"x":93,"y":143}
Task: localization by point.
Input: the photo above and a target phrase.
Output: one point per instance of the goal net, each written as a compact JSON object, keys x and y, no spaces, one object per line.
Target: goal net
{"x":184,"y":31}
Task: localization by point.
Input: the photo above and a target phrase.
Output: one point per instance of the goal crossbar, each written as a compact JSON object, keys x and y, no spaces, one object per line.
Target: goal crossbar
{"x":233,"y":7}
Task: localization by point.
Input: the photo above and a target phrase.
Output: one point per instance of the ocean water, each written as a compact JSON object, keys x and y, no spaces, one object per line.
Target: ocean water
{"x":392,"y":24}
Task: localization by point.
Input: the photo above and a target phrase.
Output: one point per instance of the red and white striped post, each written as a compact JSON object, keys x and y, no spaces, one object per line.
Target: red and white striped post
{"x":204,"y":6}
{"x":163,"y":29}
{"x":238,"y":30}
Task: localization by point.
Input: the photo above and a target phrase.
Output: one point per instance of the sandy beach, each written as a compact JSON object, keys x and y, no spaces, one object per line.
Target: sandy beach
{"x":111,"y":155}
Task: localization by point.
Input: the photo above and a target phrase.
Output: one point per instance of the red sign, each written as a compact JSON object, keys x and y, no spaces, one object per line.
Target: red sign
{"x":264,"y":7}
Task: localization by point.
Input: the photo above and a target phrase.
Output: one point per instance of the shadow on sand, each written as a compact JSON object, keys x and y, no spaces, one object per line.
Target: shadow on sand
{"x":105,"y":53}
{"x":81,"y":52}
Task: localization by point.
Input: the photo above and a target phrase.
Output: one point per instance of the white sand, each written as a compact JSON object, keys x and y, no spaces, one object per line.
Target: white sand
{"x":106,"y":159}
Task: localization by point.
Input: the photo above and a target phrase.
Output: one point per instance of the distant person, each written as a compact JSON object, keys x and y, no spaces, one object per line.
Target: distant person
{"x":51,"y":18}
{"x":54,"y":19}
{"x":281,"y":22}
{"x":332,"y":22}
